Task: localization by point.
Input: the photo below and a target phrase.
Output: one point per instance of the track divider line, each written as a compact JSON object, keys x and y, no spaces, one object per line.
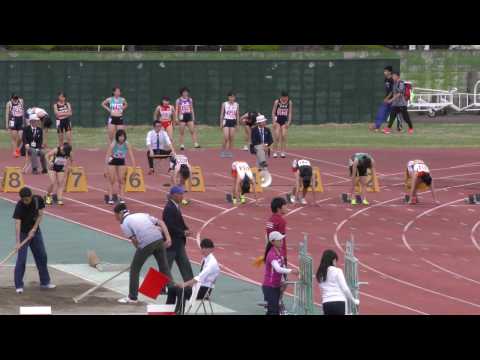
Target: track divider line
{"x":450,"y":272}
{"x":472,"y":235}
{"x":393,"y":303}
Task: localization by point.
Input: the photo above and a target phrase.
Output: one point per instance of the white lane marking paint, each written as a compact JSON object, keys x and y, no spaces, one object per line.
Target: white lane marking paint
{"x":317,"y":160}
{"x":418,"y":229}
{"x":436,"y":234}
{"x":256,"y":218}
{"x":294,"y":211}
{"x":388,"y":238}
{"x":376,"y":254}
{"x":237,"y":253}
{"x":445,"y":219}
{"x":239,"y":233}
{"x":370,"y":233}
{"x":393,"y":303}
{"x":223,"y":228}
{"x":472,"y":235}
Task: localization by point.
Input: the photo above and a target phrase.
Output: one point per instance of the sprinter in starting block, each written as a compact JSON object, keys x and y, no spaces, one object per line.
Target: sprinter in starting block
{"x":180,"y":171}
{"x":359,"y":164}
{"x":243,"y":181}
{"x":418,"y":174}
{"x":304,"y":179}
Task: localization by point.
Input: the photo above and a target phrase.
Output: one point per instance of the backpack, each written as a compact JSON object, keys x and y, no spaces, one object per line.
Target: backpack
{"x":408,"y":91}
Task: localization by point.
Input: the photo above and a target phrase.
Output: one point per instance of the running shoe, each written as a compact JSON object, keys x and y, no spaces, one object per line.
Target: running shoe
{"x":283,"y":156}
{"x":48,"y":287}
{"x":110,"y":201}
{"x":275,"y":155}
{"x":234,"y":201}
{"x":365,"y":202}
{"x":354,"y":202}
{"x":386,"y":131}
{"x":243,"y":200}
{"x":60,"y":202}
{"x":19,"y":291}
{"x":182,"y":147}
{"x":185,"y":202}
{"x":48,"y":200}
{"x":121,"y":201}
{"x":292,"y":199}
{"x":197,"y":146}
{"x":17,"y":153}
{"x":127,"y":300}
{"x":245,"y":148}
{"x":410,"y":131}
{"x":303,"y":202}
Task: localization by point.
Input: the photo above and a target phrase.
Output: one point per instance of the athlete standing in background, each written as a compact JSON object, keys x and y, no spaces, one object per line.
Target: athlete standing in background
{"x":167,"y":116}
{"x":14,"y":117}
{"x":116,"y":106}
{"x":282,"y":118}
{"x":63,"y":112}
{"x":186,"y":117}
{"x":229,"y":119}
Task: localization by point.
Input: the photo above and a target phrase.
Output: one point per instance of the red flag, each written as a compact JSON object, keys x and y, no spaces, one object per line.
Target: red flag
{"x":153,"y":283}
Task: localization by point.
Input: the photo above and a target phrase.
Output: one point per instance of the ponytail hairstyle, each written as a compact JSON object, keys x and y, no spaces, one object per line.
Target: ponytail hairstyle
{"x":427,"y":179}
{"x":67,"y":149}
{"x":327,"y":260}
{"x":184,"y":172}
{"x":267,"y":250}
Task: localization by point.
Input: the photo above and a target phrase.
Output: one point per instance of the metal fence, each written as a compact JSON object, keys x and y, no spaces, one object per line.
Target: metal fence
{"x":303,"y":292}
{"x":351,"y":275}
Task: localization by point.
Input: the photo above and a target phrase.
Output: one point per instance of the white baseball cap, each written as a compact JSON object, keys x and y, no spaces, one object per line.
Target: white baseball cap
{"x":261,"y":119}
{"x":33,"y":117}
{"x":275,"y":236}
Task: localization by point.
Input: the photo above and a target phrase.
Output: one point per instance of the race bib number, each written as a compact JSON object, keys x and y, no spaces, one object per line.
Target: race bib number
{"x":185,"y":109}
{"x":421,"y":168}
{"x":12,"y":123}
{"x":303,"y":163}
{"x":117,"y":108}
{"x":282,"y":112}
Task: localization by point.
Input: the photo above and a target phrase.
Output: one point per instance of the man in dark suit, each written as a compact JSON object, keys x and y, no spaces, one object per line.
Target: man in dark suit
{"x":33,"y":140}
{"x":261,"y":141}
{"x":172,"y":217}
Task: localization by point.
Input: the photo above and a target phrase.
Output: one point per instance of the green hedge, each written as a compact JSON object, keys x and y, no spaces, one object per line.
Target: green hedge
{"x":31,"y":47}
{"x":260,"y":47}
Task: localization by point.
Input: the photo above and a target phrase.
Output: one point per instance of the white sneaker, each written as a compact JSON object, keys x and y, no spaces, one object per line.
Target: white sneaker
{"x":127,"y":300}
{"x":19,"y":291}
{"x":303,"y":202}
{"x":275,"y":155}
{"x":182,"y":147}
{"x":245,"y":148}
{"x":283,"y":156}
{"x":48,"y":287}
{"x":292,"y":199}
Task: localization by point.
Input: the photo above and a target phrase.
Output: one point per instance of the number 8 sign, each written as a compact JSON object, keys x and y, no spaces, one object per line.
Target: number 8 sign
{"x":12,"y":180}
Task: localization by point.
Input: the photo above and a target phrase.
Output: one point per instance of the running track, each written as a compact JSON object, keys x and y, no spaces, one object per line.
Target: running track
{"x":421,"y":259}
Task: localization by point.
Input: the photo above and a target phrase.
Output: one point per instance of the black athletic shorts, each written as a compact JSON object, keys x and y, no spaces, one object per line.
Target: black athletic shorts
{"x":64,"y":125}
{"x":15,"y":123}
{"x":58,"y":168}
{"x":361,"y":171}
{"x":160,"y":152}
{"x":282,"y":120}
{"x":115,"y":120}
{"x":187,"y":117}
{"x":117,"y":162}
{"x":229,"y":123}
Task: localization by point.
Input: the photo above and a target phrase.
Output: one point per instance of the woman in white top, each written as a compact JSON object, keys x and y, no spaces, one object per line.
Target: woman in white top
{"x":229,"y":118}
{"x":335,"y":290}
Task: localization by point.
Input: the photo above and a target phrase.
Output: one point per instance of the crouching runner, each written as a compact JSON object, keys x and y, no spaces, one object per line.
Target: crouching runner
{"x":58,"y":159}
{"x":303,"y":177}
{"x":242,"y":180}
{"x":180,"y":171}
{"x":359,"y":164}
{"x":419,"y":173}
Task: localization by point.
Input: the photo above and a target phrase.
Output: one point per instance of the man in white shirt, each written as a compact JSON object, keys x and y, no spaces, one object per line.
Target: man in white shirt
{"x":45,"y":121}
{"x":150,"y":236}
{"x":159,"y":145}
{"x":209,"y":272}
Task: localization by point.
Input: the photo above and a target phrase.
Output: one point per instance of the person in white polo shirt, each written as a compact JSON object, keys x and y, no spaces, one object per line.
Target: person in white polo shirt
{"x":333,"y":285}
{"x":150,"y":236}
{"x":45,"y":121}
{"x":209,"y":271}
{"x":158,"y":144}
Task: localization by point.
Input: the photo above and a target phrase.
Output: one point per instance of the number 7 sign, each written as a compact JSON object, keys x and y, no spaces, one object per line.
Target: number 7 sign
{"x":76,"y":180}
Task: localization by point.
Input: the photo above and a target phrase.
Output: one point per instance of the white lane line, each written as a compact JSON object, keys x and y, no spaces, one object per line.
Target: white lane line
{"x":472,"y":235}
{"x":317,"y":160}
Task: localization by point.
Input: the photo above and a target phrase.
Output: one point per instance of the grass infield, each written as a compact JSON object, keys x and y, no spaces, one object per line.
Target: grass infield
{"x":426,"y":135}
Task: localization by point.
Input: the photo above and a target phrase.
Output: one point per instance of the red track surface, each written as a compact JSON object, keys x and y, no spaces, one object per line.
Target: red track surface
{"x":421,"y":259}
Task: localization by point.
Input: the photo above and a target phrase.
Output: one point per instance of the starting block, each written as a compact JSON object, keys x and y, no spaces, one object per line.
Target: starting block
{"x":258,"y":182}
{"x":134,"y":181}
{"x":114,"y":198}
{"x":196,"y":183}
{"x":473,"y":199}
{"x":35,"y":310}
{"x":12,"y":180}
{"x":346,"y":199}
{"x":407,"y":199}
{"x":76,"y":180}
{"x":372,"y":183}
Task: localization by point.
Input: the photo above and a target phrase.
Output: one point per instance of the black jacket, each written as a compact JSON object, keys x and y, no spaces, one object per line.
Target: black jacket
{"x":172,"y":217}
{"x":257,"y":140}
{"x":28,"y":137}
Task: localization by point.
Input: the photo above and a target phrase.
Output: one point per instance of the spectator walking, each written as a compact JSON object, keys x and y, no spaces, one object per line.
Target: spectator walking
{"x":28,"y":216}
{"x":386,"y":107}
{"x":150,"y":237}
{"x":399,"y":104}
{"x":209,"y":271}
{"x":277,"y":221}
{"x":275,"y":270}
{"x":172,"y":216}
{"x":333,"y":285}
{"x":33,"y":142}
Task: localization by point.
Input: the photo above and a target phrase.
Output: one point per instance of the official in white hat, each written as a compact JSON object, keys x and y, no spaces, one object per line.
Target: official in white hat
{"x":261,"y":141}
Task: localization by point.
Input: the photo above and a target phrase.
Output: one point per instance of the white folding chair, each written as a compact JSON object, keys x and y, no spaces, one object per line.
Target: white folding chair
{"x":201,"y":302}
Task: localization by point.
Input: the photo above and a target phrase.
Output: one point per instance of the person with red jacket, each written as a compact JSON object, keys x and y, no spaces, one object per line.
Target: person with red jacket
{"x":277,"y":221}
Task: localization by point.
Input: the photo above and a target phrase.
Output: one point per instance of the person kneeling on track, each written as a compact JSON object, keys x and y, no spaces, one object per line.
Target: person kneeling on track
{"x":180,"y":171}
{"x":303,"y":179}
{"x":242,"y":180}
{"x":159,"y":145}
{"x":419,"y":173}
{"x":58,"y":159}
{"x":116,"y":161}
{"x":359,"y":164}
{"x":274,"y":272}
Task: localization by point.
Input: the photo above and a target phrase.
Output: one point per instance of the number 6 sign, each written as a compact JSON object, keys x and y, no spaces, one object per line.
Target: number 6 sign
{"x":134,"y":181}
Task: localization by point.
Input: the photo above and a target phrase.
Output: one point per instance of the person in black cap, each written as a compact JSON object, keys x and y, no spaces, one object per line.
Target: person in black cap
{"x":386,"y":107}
{"x":28,"y":215}
{"x":172,"y":216}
